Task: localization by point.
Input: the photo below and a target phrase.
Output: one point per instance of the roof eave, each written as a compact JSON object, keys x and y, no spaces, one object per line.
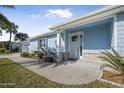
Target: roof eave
{"x":84,"y":17}
{"x":42,"y":35}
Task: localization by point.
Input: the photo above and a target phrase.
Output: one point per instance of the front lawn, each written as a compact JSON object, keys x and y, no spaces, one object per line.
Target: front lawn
{"x":15,"y":75}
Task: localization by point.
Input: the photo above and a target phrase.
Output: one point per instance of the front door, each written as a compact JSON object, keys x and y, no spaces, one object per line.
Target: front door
{"x":75,"y":46}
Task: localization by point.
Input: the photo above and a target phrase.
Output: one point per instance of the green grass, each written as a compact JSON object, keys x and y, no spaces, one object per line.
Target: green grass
{"x":15,"y":75}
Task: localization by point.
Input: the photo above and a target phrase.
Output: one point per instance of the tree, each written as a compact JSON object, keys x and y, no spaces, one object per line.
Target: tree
{"x":4,"y":44}
{"x":12,"y":29}
{"x":21,"y":37}
{"x":6,"y":25}
{"x":4,"y":22}
{"x":115,"y":60}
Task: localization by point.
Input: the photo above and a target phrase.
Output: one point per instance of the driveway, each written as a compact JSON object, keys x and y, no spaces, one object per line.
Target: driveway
{"x":70,"y":72}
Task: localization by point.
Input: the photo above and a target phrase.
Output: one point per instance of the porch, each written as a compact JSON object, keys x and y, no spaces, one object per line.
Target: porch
{"x":86,"y":40}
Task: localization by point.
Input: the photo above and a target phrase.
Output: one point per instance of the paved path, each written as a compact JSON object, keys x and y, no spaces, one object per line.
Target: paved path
{"x":70,"y":72}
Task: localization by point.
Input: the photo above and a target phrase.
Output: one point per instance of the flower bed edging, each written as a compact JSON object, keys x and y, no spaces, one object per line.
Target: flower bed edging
{"x":113,"y":83}
{"x":108,"y":81}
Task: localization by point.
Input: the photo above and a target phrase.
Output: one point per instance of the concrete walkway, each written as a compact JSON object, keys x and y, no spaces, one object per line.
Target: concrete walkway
{"x":71,"y":72}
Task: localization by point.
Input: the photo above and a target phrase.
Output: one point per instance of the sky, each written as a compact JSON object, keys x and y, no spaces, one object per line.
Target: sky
{"x":36,"y":19}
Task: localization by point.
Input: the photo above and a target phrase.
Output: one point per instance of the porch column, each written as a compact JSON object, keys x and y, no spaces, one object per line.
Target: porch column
{"x":58,"y":47}
{"x":115,"y":34}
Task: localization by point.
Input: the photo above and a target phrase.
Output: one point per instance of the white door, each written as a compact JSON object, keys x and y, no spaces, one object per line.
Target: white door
{"x":75,"y":46}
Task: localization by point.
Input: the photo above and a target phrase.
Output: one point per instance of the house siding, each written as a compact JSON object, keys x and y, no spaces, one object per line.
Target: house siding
{"x":100,"y":34}
{"x":25,"y":46}
{"x":51,"y":39}
{"x":120,"y":34}
{"x":97,"y":37}
{"x":112,"y":34}
{"x":33,"y":46}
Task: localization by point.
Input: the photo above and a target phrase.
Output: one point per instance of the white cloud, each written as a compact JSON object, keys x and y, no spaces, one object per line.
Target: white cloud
{"x":65,"y":13}
{"x":35,"y":15}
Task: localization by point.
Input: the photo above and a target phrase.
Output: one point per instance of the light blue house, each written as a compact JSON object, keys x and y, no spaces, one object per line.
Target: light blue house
{"x":84,"y":36}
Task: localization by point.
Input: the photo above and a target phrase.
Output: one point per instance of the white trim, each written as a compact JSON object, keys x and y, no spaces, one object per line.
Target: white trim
{"x":94,"y":51}
{"x":42,"y":35}
{"x":83,"y":17}
{"x":82,"y":22}
{"x":76,"y":33}
{"x":41,"y":43}
{"x":115,"y":31}
{"x":100,"y":14}
{"x":58,"y":42}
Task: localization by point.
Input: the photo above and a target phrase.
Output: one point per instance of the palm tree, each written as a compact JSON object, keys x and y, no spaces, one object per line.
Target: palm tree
{"x":21,"y":37}
{"x":115,"y":60}
{"x":4,"y":22}
{"x":12,"y":29}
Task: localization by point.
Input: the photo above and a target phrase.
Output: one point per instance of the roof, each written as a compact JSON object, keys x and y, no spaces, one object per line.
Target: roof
{"x":105,"y":11}
{"x":99,"y":14}
{"x":42,"y":35}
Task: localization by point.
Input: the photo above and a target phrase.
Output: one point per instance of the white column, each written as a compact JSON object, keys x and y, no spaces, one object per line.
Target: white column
{"x":58,"y":42}
{"x":115,"y":34}
{"x":58,"y":46}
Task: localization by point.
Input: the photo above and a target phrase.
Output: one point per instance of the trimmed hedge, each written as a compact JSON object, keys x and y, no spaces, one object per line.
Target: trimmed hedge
{"x":3,"y":50}
{"x":25,"y":54}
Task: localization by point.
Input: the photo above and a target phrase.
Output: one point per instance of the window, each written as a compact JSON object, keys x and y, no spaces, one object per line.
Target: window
{"x":74,"y":38}
{"x":42,"y":43}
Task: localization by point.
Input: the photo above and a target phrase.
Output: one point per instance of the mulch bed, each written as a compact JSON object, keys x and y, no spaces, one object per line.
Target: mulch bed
{"x":112,"y":76}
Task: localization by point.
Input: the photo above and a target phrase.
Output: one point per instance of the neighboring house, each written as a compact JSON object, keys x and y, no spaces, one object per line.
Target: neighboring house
{"x":86,"y":35}
{"x":46,"y":40}
{"x":17,"y":46}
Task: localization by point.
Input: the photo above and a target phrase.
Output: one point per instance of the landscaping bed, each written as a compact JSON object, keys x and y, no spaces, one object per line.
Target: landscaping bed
{"x":15,"y":75}
{"x":113,"y":76}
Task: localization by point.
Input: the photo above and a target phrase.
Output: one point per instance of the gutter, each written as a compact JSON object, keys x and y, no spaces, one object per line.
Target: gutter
{"x":86,"y":16}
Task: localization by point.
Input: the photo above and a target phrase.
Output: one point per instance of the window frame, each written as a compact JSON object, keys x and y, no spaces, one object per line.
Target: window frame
{"x":42,"y":43}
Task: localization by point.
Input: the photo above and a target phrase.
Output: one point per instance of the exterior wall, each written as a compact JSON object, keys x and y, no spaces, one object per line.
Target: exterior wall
{"x":33,"y":46}
{"x":17,"y":45}
{"x":25,"y":46}
{"x":120,"y":34}
{"x":112,"y":34}
{"x":91,"y":57}
{"x":52,"y":42}
{"x":98,"y":37}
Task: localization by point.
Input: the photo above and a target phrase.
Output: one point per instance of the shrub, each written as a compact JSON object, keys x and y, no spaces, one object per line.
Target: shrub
{"x":115,"y":60}
{"x":40,"y":55}
{"x":33,"y":54}
{"x":25,"y":54}
{"x":15,"y":49}
{"x":8,"y":52}
{"x":3,"y":50}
